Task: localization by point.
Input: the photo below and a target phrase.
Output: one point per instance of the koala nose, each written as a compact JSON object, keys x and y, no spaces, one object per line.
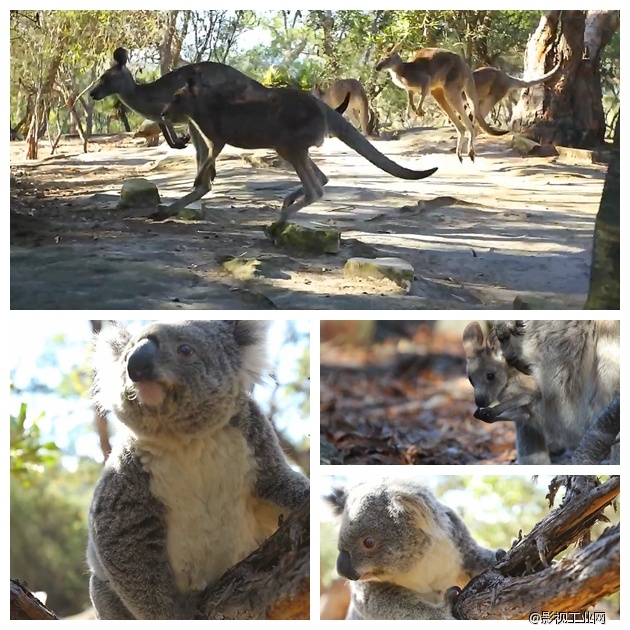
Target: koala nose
{"x":141,"y":362}
{"x":345,"y":568}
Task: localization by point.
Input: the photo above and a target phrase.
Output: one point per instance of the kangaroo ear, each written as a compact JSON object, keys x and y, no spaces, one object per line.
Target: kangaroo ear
{"x":472,"y":339}
{"x":492,"y":342}
{"x":121,"y":57}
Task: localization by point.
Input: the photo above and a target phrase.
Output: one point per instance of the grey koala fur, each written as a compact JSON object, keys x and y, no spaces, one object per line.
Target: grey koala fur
{"x":201,"y":480}
{"x":403,"y":550}
{"x":576,"y":366}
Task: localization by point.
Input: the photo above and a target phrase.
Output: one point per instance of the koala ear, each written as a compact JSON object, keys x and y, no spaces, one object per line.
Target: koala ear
{"x":472,"y":339}
{"x":251,"y":336}
{"x":109,"y":346}
{"x":336,"y":500}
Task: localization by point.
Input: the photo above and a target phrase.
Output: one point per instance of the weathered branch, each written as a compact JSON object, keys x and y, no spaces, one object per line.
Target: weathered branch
{"x":24,"y":605}
{"x":526,"y":581}
{"x":272,"y":582}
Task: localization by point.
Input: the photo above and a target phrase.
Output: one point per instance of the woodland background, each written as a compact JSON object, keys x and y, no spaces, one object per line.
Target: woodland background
{"x":58,"y":441}
{"x":56,"y":55}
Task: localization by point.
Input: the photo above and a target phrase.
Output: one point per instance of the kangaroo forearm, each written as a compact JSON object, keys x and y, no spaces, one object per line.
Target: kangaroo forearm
{"x":171,"y":137}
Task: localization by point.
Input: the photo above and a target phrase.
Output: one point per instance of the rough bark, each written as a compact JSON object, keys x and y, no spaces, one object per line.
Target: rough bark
{"x":603,"y":291}
{"x":24,"y":605}
{"x":569,"y":112}
{"x":272,"y":582}
{"x":525,"y":581}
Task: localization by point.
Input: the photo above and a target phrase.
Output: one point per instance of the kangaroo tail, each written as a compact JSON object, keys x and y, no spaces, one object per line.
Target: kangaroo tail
{"x":344,"y":105}
{"x":471,"y":92}
{"x":521,"y":83}
{"x":343,"y":130}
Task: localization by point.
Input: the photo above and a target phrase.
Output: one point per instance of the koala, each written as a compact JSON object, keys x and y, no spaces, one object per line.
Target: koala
{"x":518,"y":394}
{"x":201,"y":480}
{"x":403,"y":550}
{"x":576,"y":367}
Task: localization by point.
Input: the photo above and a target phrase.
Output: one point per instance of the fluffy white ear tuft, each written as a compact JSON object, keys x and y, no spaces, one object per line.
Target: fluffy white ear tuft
{"x":108,"y":347}
{"x":252,"y":337}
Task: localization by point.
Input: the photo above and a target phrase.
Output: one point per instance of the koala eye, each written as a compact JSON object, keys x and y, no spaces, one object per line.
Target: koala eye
{"x":185,"y":350}
{"x":490,"y":376}
{"x":369,"y":542}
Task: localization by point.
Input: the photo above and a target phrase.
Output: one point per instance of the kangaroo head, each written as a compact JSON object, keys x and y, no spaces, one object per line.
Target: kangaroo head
{"x":486,"y":367}
{"x":391,"y":59}
{"x":181,"y":102}
{"x":317,"y":90}
{"x":116,"y":80}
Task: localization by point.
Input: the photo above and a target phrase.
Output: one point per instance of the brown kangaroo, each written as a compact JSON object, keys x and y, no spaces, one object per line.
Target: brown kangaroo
{"x":149,"y":99}
{"x":446,"y":76}
{"x":493,"y":85}
{"x":287,"y":120}
{"x":358,"y":107}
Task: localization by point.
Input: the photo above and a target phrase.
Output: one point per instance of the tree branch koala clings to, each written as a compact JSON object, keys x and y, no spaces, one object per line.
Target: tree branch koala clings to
{"x":200,"y":482}
{"x":403,"y":550}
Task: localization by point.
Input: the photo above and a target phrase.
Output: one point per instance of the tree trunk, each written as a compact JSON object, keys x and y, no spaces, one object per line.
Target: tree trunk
{"x":39,"y":108}
{"x":526,"y":581}
{"x":569,"y":112}
{"x":604,"y":284}
{"x":169,"y":56}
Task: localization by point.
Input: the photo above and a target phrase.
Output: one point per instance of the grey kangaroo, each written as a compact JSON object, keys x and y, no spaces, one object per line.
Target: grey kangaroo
{"x":148,"y":100}
{"x":287,"y":120}
{"x":576,"y":367}
{"x":518,"y":394}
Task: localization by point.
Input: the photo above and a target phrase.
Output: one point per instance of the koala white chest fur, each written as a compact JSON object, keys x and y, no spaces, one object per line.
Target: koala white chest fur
{"x":213,"y":520}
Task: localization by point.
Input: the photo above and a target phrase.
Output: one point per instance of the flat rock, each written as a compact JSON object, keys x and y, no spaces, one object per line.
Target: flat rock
{"x":305,"y":236}
{"x":395,"y":269}
{"x":138,"y":192}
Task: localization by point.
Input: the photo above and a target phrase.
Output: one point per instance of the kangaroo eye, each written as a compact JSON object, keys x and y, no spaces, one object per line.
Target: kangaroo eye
{"x":369,"y":542}
{"x":185,"y":350}
{"x":490,"y":376}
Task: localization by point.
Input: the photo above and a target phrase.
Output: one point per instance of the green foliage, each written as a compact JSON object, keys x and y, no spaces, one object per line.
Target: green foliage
{"x":48,"y":528}
{"x":29,"y":455}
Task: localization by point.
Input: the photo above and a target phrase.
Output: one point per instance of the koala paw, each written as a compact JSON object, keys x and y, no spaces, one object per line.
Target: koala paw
{"x":450,"y":597}
{"x":499,"y":554}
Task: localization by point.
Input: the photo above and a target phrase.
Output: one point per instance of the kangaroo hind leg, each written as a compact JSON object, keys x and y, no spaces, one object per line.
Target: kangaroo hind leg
{"x":311,"y":179}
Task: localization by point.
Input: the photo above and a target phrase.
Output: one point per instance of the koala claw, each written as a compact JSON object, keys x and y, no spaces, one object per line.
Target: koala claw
{"x":450,"y":596}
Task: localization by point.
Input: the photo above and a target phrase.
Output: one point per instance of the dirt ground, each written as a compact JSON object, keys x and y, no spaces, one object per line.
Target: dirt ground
{"x":478,"y":234}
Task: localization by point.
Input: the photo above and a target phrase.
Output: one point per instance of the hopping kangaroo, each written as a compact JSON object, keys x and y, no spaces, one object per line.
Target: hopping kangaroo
{"x":358,"y":107}
{"x":493,"y":84}
{"x":148,"y":100}
{"x":493,"y":379}
{"x":448,"y":78}
{"x":287,"y":120}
